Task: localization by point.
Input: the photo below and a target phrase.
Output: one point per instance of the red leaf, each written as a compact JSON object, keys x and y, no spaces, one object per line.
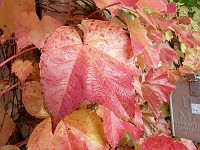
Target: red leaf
{"x":155,"y":5}
{"x":162,"y":142}
{"x":142,"y":45}
{"x":115,"y":128}
{"x":72,"y":71}
{"x":156,"y":88}
{"x":30,"y":30}
{"x":167,"y":53}
{"x":189,"y":144}
{"x":171,"y":8}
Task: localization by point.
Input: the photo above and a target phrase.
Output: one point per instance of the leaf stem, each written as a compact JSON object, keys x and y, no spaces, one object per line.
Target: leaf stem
{"x":16,"y":55}
{"x":10,"y":88}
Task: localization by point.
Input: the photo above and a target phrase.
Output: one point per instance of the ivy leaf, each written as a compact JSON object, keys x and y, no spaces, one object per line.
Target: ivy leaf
{"x":162,"y":142}
{"x":188,"y":143}
{"x":33,"y":100}
{"x":22,"y":69}
{"x":114,"y":4}
{"x":167,"y":54}
{"x":6,"y":128}
{"x":9,"y":147}
{"x":142,"y":45}
{"x":115,"y":128}
{"x":9,"y":10}
{"x":30,"y":30}
{"x":80,"y":130}
{"x":156,"y":88}
{"x":95,"y":69}
{"x":157,"y":6}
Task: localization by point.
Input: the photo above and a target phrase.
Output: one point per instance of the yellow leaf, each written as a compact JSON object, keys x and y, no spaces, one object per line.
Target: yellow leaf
{"x":7,"y":126}
{"x":9,"y":147}
{"x":82,"y":130}
{"x":22,"y":69}
{"x":168,"y":35}
{"x":9,"y":9}
{"x":33,"y":99}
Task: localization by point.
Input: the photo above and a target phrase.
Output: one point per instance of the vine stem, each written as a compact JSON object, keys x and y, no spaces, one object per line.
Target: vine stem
{"x":7,"y":38}
{"x":16,"y":55}
{"x":22,"y":142}
{"x":10,"y":88}
{"x":70,"y":7}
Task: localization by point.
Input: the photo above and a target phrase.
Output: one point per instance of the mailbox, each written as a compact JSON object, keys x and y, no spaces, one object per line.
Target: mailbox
{"x":185,"y":108}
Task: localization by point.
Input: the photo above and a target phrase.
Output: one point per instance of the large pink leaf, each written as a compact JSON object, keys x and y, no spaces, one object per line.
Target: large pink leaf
{"x":72,"y":71}
{"x":156,"y":88}
{"x":115,"y":128}
{"x":162,"y":143}
{"x":142,"y":45}
{"x":30,"y":30}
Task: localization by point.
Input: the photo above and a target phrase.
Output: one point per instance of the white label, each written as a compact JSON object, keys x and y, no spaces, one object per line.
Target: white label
{"x":195,"y":108}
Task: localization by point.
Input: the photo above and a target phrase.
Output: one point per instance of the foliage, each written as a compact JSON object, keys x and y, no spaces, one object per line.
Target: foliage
{"x":124,"y":67}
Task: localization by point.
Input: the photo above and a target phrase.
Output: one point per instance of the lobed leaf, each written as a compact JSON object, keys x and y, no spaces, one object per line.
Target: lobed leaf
{"x":115,"y":128}
{"x":162,"y":142}
{"x":22,"y":69}
{"x":7,"y":126}
{"x":156,"y":89}
{"x":30,"y":30}
{"x":80,"y":130}
{"x":10,"y":9}
{"x":33,"y":100}
{"x":72,"y":71}
{"x":142,"y":45}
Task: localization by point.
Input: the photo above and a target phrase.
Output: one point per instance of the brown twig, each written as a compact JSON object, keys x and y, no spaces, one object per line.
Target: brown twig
{"x":99,"y":10}
{"x":10,"y":88}
{"x":16,"y":55}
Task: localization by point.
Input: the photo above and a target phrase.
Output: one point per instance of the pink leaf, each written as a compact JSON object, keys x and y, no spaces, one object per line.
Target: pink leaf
{"x":114,"y":5}
{"x":30,"y":30}
{"x":155,"y":36}
{"x":168,"y":24}
{"x":156,"y":88}
{"x":171,"y":8}
{"x":155,"y":5}
{"x":72,"y":71}
{"x":189,"y":144}
{"x":115,"y":128}
{"x":148,"y":18}
{"x":167,"y":53}
{"x":22,"y":69}
{"x":142,"y":45}
{"x":162,"y":142}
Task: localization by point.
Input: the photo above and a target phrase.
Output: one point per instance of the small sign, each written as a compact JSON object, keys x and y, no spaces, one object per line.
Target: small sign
{"x":185,"y":109}
{"x":195,"y":108}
